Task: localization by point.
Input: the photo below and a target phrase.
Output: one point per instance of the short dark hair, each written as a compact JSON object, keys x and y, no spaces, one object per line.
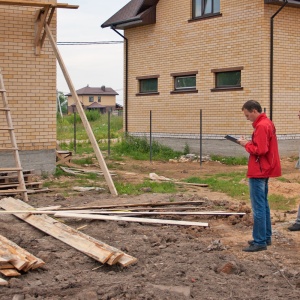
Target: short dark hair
{"x":250,"y":105}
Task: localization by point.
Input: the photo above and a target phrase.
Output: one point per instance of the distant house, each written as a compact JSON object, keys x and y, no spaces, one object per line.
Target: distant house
{"x":101,"y":98}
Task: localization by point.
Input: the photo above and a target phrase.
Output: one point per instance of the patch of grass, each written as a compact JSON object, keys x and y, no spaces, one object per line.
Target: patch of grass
{"x":279,"y":202}
{"x":137,"y":189}
{"x":139,"y":149}
{"x":228,"y":183}
{"x":83,"y":161}
{"x":282,"y":179}
{"x":230,"y":160}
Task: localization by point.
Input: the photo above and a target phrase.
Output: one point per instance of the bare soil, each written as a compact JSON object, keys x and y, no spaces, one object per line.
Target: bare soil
{"x":174,"y":262}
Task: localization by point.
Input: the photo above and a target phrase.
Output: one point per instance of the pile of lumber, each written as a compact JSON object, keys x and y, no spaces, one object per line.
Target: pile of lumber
{"x":14,"y":259}
{"x":78,"y":240}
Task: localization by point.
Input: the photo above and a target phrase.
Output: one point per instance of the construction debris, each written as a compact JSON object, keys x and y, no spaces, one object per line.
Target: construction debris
{"x":84,"y":243}
{"x":155,"y":177}
{"x":13,"y":258}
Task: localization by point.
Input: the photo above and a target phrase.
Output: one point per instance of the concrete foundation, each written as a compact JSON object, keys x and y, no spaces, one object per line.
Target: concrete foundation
{"x":41,"y":161}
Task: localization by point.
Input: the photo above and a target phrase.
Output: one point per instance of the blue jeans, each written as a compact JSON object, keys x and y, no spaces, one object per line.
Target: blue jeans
{"x":298,"y":216}
{"x":262,"y":229}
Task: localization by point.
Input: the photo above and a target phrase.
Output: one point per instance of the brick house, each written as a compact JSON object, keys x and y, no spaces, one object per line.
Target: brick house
{"x":95,"y":98}
{"x":30,"y":82}
{"x":190,"y":55}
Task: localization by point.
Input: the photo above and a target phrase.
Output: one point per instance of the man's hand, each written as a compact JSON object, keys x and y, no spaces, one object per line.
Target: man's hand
{"x":242,"y":141}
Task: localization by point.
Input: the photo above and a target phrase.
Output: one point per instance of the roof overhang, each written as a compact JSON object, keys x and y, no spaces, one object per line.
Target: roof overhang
{"x":292,"y":3}
{"x":135,"y":13}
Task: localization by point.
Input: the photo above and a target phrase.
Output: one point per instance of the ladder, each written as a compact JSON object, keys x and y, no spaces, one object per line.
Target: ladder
{"x":21,"y":187}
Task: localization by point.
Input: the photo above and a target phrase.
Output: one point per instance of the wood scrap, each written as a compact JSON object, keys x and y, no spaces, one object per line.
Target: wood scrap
{"x":3,"y":282}
{"x":75,"y":171}
{"x":155,"y":177}
{"x":78,"y":240}
{"x":129,"y":219}
{"x":17,"y":256}
{"x":10,"y":272}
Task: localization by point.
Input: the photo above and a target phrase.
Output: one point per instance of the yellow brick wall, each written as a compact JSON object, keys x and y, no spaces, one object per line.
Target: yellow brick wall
{"x":105,"y":100}
{"x":30,"y":80}
{"x":239,"y":38}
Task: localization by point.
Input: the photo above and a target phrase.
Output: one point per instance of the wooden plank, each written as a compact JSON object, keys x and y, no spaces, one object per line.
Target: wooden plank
{"x":179,"y":213}
{"x":3,"y":282}
{"x":6,"y":266}
{"x":37,"y":4}
{"x":137,"y":205}
{"x":82,"y":114}
{"x":10,"y":272}
{"x":129,"y":219}
{"x":78,"y":240}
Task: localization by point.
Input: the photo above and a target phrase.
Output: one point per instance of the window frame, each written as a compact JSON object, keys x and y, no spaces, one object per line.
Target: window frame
{"x":99,"y":99}
{"x":91,"y":98}
{"x":229,"y":87}
{"x":143,"y":93}
{"x":177,"y":90}
{"x":204,"y":15}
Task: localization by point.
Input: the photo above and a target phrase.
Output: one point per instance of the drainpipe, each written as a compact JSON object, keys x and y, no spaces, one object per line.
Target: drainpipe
{"x":126,"y":78}
{"x":272,"y":57}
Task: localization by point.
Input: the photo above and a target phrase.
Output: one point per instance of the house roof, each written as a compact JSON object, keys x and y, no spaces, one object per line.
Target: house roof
{"x":135,"y":13}
{"x":103,"y":90}
{"x":95,"y":105}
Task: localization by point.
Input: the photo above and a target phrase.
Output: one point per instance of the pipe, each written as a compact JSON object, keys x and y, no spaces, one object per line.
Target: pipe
{"x":126,"y":78}
{"x":272,"y":57}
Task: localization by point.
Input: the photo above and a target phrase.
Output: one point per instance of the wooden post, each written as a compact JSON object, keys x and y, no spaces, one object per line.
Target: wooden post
{"x":82,"y":115}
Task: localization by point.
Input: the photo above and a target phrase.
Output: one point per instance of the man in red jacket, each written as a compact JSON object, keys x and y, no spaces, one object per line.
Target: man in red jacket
{"x":264,"y":162}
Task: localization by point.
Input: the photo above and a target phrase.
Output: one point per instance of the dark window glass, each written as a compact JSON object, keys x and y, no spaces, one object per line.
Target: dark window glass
{"x":228,"y":79}
{"x":205,"y":7}
{"x":148,"y":85}
{"x":99,"y":98}
{"x":91,"y":98}
{"x":185,"y":82}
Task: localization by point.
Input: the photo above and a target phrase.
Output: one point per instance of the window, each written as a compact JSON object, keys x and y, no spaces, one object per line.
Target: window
{"x":147,"y":85}
{"x":184,"y":82}
{"x":229,"y":78}
{"x":204,"y":8}
{"x":91,"y":98}
{"x":99,"y":98}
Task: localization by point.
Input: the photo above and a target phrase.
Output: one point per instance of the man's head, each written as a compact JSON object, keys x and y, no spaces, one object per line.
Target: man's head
{"x":252,"y":110}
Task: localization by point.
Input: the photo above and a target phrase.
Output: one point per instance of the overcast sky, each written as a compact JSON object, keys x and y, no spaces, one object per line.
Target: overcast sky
{"x":93,"y":65}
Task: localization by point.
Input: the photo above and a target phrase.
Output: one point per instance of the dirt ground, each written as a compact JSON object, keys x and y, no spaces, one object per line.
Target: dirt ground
{"x":174,"y":262}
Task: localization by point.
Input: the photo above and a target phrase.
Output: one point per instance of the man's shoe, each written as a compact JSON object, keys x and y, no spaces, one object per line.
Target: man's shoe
{"x":255,"y":248}
{"x":294,"y":227}
{"x":269,"y":242}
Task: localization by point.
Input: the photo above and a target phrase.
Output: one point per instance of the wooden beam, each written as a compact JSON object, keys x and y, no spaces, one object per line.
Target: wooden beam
{"x":111,"y":212}
{"x":137,"y":205}
{"x":78,"y":240}
{"x":81,"y":112}
{"x":38,"y":4}
{"x":129,"y":219}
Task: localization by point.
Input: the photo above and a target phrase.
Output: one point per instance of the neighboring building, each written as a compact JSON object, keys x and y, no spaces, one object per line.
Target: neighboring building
{"x":191,"y":55}
{"x":30,"y":82}
{"x":95,"y":98}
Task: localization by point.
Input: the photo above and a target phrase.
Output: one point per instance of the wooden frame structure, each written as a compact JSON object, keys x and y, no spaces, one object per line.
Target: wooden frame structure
{"x":43,"y":19}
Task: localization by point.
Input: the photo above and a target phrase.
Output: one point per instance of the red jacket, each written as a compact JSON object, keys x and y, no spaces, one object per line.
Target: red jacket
{"x":264,"y":158}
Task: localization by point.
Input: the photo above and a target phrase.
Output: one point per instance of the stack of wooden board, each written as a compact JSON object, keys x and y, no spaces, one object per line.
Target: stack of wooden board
{"x":78,"y":240}
{"x":13,"y":259}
